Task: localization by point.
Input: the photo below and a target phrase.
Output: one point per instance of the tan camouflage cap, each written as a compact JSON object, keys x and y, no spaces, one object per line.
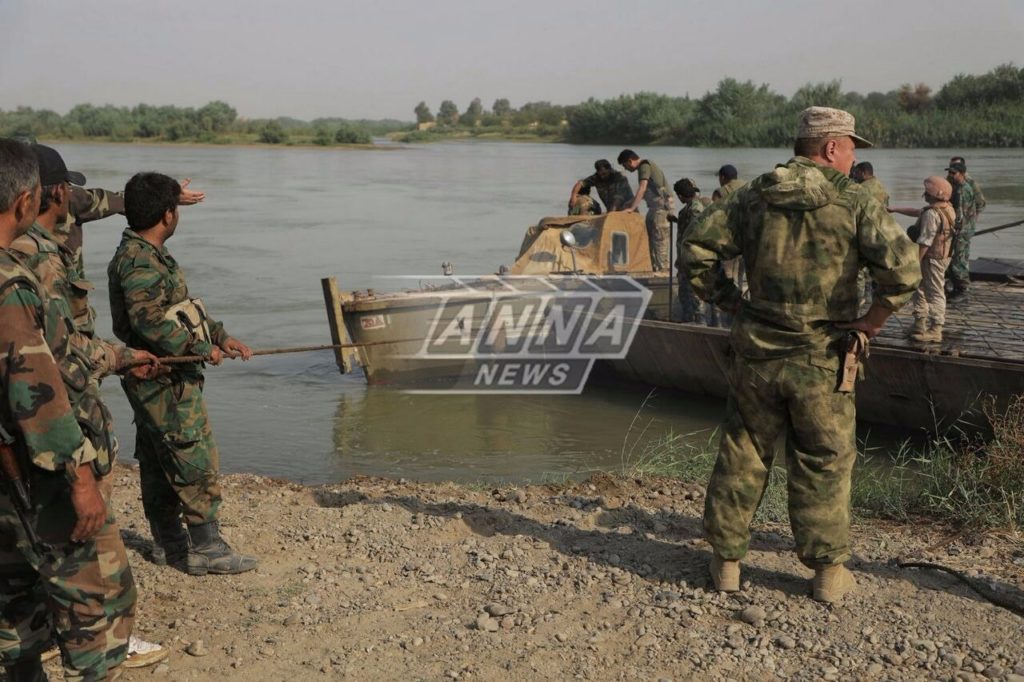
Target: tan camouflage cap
{"x":818,"y":122}
{"x":938,"y":187}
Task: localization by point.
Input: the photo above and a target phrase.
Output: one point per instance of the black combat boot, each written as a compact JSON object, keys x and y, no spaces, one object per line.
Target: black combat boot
{"x":959,"y":294}
{"x":26,"y":670}
{"x":170,"y":542}
{"x":208,"y":553}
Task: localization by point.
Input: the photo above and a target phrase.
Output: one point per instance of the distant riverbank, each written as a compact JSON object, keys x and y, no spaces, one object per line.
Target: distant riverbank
{"x":216,"y":144}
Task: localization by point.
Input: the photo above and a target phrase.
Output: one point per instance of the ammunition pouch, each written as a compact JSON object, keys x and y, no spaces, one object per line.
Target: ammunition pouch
{"x":190,"y":314}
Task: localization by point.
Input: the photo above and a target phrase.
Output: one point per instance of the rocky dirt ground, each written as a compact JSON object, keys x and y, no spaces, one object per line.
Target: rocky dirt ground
{"x":600,"y":580}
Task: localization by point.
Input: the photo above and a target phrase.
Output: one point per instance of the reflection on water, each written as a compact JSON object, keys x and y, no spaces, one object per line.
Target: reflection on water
{"x":277,"y":220}
{"x":511,"y":438}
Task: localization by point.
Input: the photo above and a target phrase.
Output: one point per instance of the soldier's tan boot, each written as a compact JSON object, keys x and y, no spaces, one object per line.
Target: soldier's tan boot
{"x":725,"y":574}
{"x":208,"y":553}
{"x":918,"y":329}
{"x":832,"y":583}
{"x":933,"y":335}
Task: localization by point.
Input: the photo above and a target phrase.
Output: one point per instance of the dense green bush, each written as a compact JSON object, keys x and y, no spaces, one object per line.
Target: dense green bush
{"x":273,"y":133}
{"x":347,"y":134}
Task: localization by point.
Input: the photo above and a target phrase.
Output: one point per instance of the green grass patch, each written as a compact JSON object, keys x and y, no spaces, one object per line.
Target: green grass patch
{"x":953,"y":478}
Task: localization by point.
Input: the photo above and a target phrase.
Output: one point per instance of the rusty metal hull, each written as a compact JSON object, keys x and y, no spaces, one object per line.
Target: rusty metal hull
{"x":398,"y":324}
{"x":904,"y":388}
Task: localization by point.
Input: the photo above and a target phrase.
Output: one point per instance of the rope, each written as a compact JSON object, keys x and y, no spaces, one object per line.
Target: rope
{"x":186,"y":359}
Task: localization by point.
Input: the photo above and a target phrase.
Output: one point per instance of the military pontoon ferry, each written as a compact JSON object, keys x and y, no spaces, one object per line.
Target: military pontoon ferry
{"x":982,"y":353}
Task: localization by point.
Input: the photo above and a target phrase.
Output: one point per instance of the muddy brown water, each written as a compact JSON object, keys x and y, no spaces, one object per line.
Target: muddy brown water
{"x":278,"y":219}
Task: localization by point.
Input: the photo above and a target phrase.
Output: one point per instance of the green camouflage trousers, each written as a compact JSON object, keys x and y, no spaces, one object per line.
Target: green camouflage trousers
{"x":81,"y":595}
{"x":178,"y":458}
{"x":657,"y":234}
{"x":959,"y":267}
{"x":794,"y":397}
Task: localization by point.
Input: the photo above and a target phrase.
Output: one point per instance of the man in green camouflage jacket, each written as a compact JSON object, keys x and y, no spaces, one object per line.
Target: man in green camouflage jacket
{"x":967,"y":204}
{"x":91,"y":358}
{"x":803,"y":229}
{"x":612,"y":186}
{"x":864,"y":173}
{"x":75,"y":586}
{"x":88,"y":205}
{"x":692,"y":206}
{"x":152,"y":310}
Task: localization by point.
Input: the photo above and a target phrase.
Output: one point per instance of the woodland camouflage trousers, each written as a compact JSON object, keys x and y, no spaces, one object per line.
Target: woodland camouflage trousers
{"x":178,"y":458}
{"x":794,"y":397}
{"x":81,"y":595}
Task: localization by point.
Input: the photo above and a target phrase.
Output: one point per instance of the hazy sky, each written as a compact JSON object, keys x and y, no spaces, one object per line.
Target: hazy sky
{"x":310,"y":58}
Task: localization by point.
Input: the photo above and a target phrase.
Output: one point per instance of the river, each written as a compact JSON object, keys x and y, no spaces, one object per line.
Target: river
{"x":276,"y":220}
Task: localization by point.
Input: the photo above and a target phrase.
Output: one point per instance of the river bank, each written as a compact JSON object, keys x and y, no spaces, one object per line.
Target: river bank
{"x":602,"y":579}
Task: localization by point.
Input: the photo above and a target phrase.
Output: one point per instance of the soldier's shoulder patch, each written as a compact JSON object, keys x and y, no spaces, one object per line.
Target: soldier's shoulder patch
{"x":28,"y":244}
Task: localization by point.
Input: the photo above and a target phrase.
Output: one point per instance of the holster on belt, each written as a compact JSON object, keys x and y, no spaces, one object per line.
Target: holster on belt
{"x":856,"y":348}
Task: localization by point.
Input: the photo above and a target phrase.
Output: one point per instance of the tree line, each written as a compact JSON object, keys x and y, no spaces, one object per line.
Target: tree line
{"x":984,"y":110}
{"x":216,"y":123}
{"x":970,"y":110}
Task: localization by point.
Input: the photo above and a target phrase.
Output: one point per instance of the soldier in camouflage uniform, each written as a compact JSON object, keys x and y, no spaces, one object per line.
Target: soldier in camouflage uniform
{"x":803,"y":229}
{"x":55,"y":267}
{"x":654,"y":190}
{"x":76,"y":586}
{"x":693,"y":205}
{"x":728,"y":182}
{"x":88,"y":205}
{"x":612,"y":186}
{"x":151,"y":309}
{"x":979,"y":197}
{"x":864,"y":173}
{"x":967,"y":206}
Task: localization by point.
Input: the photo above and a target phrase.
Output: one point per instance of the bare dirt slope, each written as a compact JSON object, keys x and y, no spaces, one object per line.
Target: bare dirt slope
{"x":601,"y":580}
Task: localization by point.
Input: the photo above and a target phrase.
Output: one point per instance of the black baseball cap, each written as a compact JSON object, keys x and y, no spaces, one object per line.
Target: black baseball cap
{"x":957,"y":167}
{"x":686,"y":187}
{"x":52,"y":169}
{"x":729,"y":171}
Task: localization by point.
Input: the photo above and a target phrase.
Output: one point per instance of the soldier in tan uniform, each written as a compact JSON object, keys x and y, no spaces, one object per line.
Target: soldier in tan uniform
{"x":934,"y":236}
{"x":803,"y":230}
